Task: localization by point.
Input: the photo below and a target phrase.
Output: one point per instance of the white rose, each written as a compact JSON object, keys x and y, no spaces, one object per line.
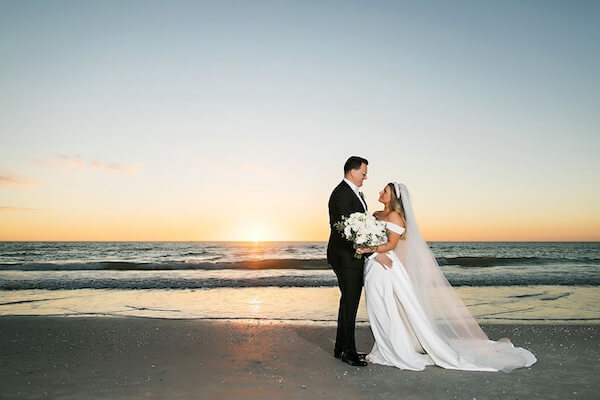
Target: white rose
{"x":347,"y":231}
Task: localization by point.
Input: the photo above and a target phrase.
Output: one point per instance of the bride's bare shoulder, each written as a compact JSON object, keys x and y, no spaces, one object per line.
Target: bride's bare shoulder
{"x":395,"y":217}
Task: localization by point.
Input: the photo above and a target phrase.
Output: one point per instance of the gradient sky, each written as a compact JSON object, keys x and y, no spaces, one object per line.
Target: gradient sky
{"x":231,"y":120}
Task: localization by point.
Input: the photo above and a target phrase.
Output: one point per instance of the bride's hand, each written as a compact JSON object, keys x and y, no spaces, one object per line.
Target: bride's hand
{"x":363,"y":250}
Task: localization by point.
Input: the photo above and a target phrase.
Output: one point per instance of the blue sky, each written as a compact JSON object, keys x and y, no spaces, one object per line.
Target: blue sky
{"x":170,"y":113}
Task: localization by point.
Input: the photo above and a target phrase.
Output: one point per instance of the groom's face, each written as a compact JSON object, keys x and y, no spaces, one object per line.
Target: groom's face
{"x":359,"y":175}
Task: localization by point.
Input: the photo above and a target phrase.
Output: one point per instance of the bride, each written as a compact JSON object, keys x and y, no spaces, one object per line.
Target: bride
{"x":416,"y":317}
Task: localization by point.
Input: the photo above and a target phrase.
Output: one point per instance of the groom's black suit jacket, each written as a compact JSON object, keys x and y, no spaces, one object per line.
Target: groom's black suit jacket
{"x":340,"y":251}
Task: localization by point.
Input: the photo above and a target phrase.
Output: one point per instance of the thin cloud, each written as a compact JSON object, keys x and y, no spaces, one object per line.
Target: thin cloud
{"x":10,"y":208}
{"x":61,"y":162}
{"x":10,"y":178}
{"x":117,"y":167}
{"x":69,"y":163}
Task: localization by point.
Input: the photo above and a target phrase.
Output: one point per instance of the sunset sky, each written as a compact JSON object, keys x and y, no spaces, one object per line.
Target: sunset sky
{"x":231,"y":120}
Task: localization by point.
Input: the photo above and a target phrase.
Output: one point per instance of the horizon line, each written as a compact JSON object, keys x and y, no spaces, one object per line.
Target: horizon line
{"x":292,"y":241}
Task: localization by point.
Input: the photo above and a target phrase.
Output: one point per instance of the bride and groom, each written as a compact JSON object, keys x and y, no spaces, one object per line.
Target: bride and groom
{"x":416,"y":317}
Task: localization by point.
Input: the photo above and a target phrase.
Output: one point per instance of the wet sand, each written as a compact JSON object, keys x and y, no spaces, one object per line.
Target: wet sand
{"x":127,"y":358}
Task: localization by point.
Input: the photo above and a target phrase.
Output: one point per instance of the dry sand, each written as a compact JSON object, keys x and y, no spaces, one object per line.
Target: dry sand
{"x":130,"y":358}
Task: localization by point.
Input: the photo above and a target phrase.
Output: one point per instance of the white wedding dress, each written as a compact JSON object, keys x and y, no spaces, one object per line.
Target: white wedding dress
{"x":418,"y":319}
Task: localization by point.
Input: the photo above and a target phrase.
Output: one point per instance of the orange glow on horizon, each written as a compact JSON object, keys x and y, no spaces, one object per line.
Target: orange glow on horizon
{"x":283,"y":220}
{"x":52,"y":227}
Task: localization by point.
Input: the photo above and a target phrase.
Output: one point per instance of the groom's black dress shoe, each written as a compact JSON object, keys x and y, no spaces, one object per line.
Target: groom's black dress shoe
{"x":362,"y":356}
{"x":353,"y":359}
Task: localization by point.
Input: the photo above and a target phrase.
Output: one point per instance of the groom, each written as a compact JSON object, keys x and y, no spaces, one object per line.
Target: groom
{"x":345,"y":200}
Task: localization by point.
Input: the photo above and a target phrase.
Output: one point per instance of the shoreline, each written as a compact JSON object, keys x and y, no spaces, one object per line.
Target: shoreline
{"x":489,"y":305}
{"x":125,"y":357}
{"x":311,"y":322}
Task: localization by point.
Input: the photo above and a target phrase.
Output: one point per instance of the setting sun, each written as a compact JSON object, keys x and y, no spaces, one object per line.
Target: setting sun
{"x":254,"y":230}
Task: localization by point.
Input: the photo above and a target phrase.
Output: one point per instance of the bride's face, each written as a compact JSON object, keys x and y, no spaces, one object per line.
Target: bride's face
{"x":385,"y":196}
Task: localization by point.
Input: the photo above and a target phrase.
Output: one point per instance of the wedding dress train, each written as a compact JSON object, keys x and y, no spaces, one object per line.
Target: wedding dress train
{"x":418,"y":319}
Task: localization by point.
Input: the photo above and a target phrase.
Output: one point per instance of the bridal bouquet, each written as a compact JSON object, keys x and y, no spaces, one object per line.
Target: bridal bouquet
{"x":362,"y":230}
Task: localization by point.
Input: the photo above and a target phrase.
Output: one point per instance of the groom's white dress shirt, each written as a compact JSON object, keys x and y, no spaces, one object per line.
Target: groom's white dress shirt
{"x":355,"y":189}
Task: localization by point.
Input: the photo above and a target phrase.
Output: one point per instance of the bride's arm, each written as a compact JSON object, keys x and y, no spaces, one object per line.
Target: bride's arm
{"x":393,"y":238}
{"x":391,"y":244}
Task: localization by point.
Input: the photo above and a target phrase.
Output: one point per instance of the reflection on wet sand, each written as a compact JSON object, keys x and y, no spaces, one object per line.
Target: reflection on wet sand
{"x":513,"y":304}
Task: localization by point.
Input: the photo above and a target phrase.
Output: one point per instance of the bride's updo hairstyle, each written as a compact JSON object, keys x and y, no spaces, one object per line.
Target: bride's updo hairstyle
{"x":396,"y":205}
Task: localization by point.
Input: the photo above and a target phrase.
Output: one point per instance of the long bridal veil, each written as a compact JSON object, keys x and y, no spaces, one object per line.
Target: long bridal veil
{"x":445,"y":310}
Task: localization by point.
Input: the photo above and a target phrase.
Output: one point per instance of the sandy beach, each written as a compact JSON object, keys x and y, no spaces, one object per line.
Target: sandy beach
{"x":126,"y":358}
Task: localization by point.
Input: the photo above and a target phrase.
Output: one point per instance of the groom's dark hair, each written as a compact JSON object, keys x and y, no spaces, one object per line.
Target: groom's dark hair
{"x":354,"y":162}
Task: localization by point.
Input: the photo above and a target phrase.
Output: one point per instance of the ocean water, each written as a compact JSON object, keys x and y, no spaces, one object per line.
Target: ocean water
{"x":192,"y":265}
{"x":500,"y":282}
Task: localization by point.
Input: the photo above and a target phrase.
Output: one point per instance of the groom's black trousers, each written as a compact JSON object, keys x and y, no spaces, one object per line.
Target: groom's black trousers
{"x":350,"y":281}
